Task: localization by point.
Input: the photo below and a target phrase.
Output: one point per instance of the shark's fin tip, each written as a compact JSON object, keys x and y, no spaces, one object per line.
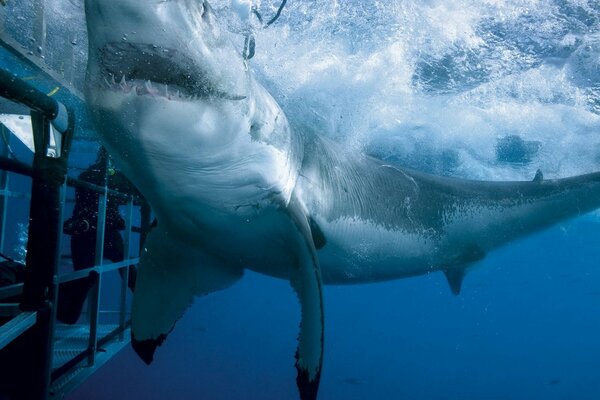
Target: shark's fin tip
{"x":307,"y":387}
{"x":145,"y":348}
{"x":455,"y":277}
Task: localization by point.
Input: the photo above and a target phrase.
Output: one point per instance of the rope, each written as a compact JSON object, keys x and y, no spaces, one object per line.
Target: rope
{"x":276,"y":15}
{"x":249,"y":42}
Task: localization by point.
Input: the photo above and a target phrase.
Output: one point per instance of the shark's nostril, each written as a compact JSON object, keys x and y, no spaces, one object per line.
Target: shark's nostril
{"x":206,"y":11}
{"x":203,"y":10}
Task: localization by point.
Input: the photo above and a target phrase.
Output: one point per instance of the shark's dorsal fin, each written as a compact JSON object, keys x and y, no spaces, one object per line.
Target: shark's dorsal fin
{"x":455,"y":278}
{"x":539,"y":177}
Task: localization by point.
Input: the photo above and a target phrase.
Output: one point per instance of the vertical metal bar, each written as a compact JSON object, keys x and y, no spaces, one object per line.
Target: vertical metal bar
{"x":53,"y":295}
{"x":145,"y":223}
{"x":4,"y":185}
{"x":101,"y":227}
{"x":68,"y":61}
{"x":94,"y":299}
{"x":42,"y":258}
{"x":125,"y":276}
{"x":2,"y":18}
{"x":39,"y":27}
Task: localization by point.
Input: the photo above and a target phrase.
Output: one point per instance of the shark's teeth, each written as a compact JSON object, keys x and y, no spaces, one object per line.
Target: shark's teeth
{"x":150,"y":89}
{"x":147,"y":87}
{"x":124,"y":86}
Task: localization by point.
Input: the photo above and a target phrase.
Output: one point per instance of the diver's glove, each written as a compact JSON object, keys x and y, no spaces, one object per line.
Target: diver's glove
{"x":76,"y":226}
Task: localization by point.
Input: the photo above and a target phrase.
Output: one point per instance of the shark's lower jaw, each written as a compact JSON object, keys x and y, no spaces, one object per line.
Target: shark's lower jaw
{"x":150,"y":70}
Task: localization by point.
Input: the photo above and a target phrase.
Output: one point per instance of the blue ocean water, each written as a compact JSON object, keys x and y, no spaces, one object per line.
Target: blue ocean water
{"x":477,"y":89}
{"x":525,"y":327}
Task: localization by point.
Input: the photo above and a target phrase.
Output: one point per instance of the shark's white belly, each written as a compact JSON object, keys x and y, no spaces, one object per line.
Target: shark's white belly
{"x":224,"y":194}
{"x":360,"y":251}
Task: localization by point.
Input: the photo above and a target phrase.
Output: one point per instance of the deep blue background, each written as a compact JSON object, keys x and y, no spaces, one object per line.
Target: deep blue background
{"x":526,"y":326}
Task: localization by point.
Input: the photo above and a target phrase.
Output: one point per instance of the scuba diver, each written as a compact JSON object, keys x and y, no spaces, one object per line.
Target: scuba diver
{"x":82,"y":228}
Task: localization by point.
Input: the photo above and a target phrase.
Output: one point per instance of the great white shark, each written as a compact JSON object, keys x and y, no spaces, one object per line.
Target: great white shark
{"x":233,"y":187}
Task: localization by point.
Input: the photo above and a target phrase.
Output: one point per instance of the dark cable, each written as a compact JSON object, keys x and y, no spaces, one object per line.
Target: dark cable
{"x":249,"y":43}
{"x":276,"y":15}
{"x":7,"y":258}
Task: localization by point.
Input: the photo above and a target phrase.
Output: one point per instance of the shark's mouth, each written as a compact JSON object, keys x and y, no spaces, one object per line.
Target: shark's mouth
{"x":155,"y":71}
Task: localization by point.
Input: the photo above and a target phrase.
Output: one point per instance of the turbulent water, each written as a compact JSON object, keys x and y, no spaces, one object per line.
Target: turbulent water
{"x":480,"y":89}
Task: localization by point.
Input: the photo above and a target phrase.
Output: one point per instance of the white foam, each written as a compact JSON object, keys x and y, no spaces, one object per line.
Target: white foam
{"x":356,"y":72}
{"x":440,"y":75}
{"x":242,"y":8}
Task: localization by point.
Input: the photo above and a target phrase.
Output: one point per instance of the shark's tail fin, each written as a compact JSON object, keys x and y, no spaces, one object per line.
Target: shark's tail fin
{"x":171,"y":274}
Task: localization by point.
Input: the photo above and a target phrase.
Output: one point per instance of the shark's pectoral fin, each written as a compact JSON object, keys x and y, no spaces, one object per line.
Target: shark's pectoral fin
{"x":306,"y":281}
{"x":171,"y":274}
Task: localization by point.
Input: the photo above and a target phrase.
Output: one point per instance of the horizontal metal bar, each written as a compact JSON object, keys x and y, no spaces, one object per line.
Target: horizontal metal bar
{"x":9,"y":309}
{"x":11,"y":290}
{"x":14,"y":88}
{"x":100,"y":189}
{"x":18,"y":167}
{"x":10,"y":193}
{"x":71,"y":276}
{"x":110,"y":312}
{"x":36,"y":63}
{"x":16,"y":326}
{"x":15,"y":166}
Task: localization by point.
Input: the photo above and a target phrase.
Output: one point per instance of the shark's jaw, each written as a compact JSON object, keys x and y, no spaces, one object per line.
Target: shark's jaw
{"x":150,"y":70}
{"x":175,"y":49}
{"x":174,"y":102}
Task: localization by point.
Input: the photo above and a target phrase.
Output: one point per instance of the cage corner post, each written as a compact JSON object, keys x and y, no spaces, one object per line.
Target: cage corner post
{"x":43,"y":246}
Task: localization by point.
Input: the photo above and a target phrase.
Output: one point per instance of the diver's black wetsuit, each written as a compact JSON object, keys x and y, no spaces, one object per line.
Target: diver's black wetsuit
{"x":82,"y":227}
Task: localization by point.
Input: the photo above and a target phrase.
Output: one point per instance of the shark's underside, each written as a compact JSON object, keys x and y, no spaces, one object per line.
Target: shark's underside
{"x":234,"y":188}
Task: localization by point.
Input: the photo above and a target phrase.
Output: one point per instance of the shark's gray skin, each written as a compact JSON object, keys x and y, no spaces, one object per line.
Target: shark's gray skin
{"x":234,"y":188}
